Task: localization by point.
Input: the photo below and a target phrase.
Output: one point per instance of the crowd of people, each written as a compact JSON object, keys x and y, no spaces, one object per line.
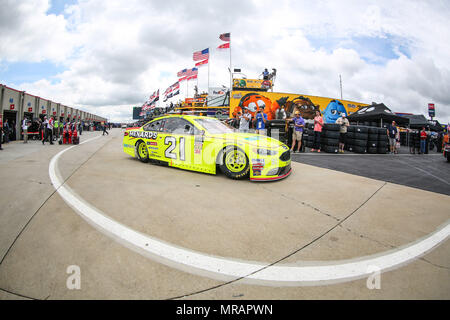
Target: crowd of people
{"x":47,"y":129}
{"x":243,"y":121}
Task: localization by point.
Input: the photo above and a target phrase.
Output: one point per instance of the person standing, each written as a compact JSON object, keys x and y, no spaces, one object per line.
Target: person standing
{"x":261,"y":119}
{"x":299,"y":124}
{"x":56,"y":129}
{"x":397,"y":142}
{"x":104,"y":130}
{"x":25,"y":129}
{"x":318,"y":125}
{"x":344,"y":123}
{"x":44,"y":130}
{"x":236,"y":120}
{"x":423,"y":141}
{"x":50,"y":127}
{"x":244,"y":121}
{"x":392,"y":134}
{"x":6,"y":130}
{"x":1,"y":136}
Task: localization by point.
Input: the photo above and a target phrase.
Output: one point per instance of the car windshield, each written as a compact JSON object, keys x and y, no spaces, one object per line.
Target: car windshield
{"x":214,"y":126}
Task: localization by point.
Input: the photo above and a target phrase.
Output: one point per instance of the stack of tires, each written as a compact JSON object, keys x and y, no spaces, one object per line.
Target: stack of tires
{"x":383,"y":141}
{"x":414,"y":141}
{"x":329,"y":138}
{"x":309,"y":135}
{"x":361,"y":136}
{"x":372,"y":140}
{"x":350,"y":138}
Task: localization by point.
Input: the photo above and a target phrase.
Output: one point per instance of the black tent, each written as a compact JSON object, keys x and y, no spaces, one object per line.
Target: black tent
{"x":418,"y":121}
{"x":377,"y":112}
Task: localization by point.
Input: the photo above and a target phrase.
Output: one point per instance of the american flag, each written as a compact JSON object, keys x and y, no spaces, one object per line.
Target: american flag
{"x":181,"y":73}
{"x":198,"y":64}
{"x":201,"y":55}
{"x":191,"y":72}
{"x":224,"y":46}
{"x":225,"y":36}
{"x":192,"y":77}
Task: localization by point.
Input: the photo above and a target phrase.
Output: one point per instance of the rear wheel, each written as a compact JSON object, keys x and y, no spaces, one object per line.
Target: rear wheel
{"x":141,"y":151}
{"x":235,"y":164}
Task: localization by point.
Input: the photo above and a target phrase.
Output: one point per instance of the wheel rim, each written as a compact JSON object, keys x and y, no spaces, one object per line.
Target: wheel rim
{"x":142,"y":150}
{"x":235,"y":161}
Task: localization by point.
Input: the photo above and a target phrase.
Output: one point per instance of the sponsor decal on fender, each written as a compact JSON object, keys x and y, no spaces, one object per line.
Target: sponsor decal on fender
{"x":143,"y":134}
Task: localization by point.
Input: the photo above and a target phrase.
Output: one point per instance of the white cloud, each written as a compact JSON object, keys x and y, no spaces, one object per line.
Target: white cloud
{"x":117,"y":53}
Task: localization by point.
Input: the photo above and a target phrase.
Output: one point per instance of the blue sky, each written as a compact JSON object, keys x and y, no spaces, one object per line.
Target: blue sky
{"x":16,"y":73}
{"x":57,"y":6}
{"x":374,"y":50}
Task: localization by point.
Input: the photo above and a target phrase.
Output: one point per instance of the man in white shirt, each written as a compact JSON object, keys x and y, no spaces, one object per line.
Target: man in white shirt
{"x":244,"y":124}
{"x":25,"y":129}
{"x":48,"y":125}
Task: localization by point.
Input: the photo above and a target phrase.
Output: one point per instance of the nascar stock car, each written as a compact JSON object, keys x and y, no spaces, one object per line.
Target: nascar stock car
{"x":204,"y":144}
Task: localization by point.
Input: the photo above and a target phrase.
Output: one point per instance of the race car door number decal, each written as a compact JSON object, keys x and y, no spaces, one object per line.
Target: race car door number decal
{"x":172,"y":142}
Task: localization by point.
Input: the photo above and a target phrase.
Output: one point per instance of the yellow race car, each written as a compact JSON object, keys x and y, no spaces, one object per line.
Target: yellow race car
{"x":205,"y":144}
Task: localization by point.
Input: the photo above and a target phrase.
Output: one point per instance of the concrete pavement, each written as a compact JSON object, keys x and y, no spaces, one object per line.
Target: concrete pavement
{"x":316,"y":214}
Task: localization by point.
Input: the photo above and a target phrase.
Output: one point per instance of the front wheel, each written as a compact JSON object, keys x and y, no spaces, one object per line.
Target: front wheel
{"x":235,"y":164}
{"x":141,"y":151}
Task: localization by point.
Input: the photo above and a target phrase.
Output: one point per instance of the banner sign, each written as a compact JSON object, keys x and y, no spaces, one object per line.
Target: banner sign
{"x":252,"y":84}
{"x":431,"y":110}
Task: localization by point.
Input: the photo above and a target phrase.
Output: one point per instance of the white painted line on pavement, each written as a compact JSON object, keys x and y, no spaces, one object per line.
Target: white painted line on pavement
{"x":300,"y":274}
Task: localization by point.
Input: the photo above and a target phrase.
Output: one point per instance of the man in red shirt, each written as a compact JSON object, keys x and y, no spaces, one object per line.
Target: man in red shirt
{"x":423,"y":140}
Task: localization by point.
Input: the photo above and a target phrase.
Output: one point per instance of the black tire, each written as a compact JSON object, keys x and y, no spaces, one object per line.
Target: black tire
{"x":381,"y":150}
{"x":331,"y":134}
{"x":331,"y":127}
{"x":351,"y":128}
{"x":141,"y":157}
{"x":359,"y":149}
{"x":350,"y":141}
{"x":382,"y":144}
{"x":383,"y":138}
{"x":361,"y":129}
{"x":241,"y":174}
{"x":373,"y":136}
{"x":372,"y":144}
{"x":331,"y":142}
{"x":361,"y":136}
{"x":360,"y":143}
{"x":350,"y":135}
{"x":372,"y":130}
{"x":448,"y":157}
{"x":351,"y":148}
{"x":309,"y":144}
{"x":330,"y":149}
{"x":372,"y":150}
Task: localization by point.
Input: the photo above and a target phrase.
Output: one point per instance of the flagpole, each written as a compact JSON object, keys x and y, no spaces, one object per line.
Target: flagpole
{"x":209,"y":61}
{"x":231,"y":71}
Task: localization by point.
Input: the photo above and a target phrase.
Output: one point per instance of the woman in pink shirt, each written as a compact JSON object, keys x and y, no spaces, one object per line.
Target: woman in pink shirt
{"x":318,"y":124}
